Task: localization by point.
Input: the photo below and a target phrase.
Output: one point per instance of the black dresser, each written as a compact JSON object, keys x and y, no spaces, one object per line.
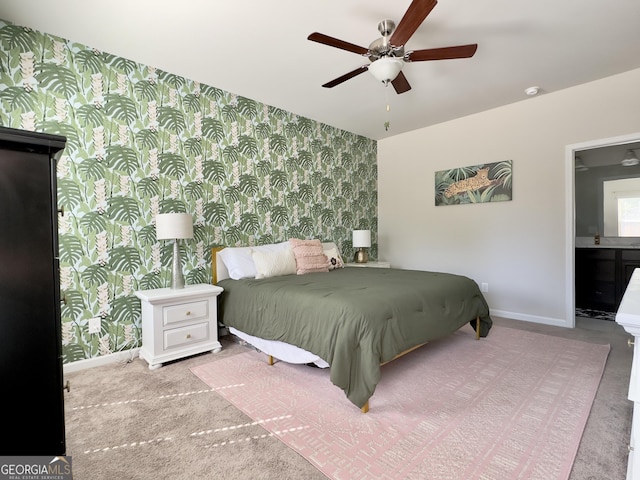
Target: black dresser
{"x":30,"y":330}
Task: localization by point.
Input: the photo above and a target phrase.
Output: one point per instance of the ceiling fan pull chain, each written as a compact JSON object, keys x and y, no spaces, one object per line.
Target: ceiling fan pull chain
{"x":386,"y":92}
{"x":387,"y":123}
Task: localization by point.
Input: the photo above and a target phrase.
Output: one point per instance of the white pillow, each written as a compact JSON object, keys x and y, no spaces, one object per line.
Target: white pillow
{"x":274,"y":264}
{"x":239,"y":261}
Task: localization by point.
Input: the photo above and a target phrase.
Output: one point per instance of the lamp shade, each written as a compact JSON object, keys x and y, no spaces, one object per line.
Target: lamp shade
{"x":386,"y":69}
{"x":361,"y":238}
{"x":171,"y":226}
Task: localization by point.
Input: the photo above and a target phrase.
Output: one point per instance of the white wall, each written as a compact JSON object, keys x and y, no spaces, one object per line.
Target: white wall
{"x":517,"y":247}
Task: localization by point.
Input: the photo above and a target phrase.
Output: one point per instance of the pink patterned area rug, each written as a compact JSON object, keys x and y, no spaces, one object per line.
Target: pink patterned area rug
{"x":509,"y":406}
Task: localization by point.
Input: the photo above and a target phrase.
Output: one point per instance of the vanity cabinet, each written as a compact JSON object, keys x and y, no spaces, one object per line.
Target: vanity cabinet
{"x":30,"y":331}
{"x":629,"y":261}
{"x":596,"y":287}
{"x":602,"y":275}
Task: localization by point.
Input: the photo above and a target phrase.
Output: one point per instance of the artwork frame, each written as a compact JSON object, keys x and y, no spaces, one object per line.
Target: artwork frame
{"x":481,"y":183}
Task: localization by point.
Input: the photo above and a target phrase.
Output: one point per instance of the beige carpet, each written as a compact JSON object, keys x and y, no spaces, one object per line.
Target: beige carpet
{"x":124,"y":421}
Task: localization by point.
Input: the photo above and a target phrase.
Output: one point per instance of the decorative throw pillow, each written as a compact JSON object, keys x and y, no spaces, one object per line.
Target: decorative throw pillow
{"x":335,"y":261}
{"x":274,"y":264}
{"x":309,"y":256}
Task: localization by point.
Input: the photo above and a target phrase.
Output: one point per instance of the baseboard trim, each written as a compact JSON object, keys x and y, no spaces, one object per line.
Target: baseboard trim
{"x":99,"y":361}
{"x":557,"y":322}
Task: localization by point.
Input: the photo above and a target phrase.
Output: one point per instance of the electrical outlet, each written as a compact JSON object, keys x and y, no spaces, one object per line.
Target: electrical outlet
{"x":484,"y":287}
{"x":95,"y":324}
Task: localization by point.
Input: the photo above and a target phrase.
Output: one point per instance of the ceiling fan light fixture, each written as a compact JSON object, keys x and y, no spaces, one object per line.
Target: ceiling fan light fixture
{"x":386,"y":69}
{"x":387,"y":53}
{"x":580,"y":166}
{"x":630,"y":159}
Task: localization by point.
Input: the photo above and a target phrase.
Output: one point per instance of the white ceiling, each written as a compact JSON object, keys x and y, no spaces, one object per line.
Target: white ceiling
{"x":259,"y":49}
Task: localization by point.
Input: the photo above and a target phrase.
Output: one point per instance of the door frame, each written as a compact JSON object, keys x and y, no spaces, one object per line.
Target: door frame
{"x":570,"y":213}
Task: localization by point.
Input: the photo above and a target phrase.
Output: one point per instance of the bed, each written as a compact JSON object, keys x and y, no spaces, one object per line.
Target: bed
{"x":350,"y":320}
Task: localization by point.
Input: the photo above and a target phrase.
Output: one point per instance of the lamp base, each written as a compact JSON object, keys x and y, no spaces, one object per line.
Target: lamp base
{"x":361,"y":256}
{"x":177,"y":279}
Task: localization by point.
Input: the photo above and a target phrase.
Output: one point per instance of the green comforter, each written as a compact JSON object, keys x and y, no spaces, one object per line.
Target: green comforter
{"x":354,"y":318}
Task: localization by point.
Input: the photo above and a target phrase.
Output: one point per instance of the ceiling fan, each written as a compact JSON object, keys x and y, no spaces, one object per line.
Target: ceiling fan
{"x":387,"y":54}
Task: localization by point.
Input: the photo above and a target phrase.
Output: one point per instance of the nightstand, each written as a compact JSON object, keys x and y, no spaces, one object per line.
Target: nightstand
{"x":369,"y":264}
{"x":178,"y":323}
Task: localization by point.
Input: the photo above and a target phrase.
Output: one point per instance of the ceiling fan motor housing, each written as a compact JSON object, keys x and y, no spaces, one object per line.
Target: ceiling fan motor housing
{"x":381,"y":47}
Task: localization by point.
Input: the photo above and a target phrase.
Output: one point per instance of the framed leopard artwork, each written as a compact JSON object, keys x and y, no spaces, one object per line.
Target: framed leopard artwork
{"x":489,"y":182}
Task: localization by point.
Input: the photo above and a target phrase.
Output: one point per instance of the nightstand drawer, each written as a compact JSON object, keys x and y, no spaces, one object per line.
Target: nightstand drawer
{"x":185,"y":311}
{"x":177,"y":337}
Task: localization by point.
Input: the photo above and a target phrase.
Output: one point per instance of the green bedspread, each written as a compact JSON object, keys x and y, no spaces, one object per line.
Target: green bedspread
{"x":354,"y":318}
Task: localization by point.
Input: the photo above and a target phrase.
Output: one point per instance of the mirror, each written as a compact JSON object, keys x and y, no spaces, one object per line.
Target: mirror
{"x":621,"y":207}
{"x":601,"y":184}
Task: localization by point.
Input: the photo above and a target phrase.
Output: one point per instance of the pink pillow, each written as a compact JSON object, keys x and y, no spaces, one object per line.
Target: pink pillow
{"x":309,"y":255}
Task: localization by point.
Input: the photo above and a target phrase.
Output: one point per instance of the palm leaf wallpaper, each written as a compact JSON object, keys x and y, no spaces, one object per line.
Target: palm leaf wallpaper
{"x":142,"y":141}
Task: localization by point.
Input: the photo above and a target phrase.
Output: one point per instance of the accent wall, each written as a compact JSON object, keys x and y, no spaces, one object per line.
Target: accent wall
{"x":142,"y":141}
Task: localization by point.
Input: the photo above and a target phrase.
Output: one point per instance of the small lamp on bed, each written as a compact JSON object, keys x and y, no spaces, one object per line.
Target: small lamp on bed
{"x":361,"y":241}
{"x":175,"y":226}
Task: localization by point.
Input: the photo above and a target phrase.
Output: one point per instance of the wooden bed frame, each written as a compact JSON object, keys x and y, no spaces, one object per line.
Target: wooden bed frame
{"x":271,"y":360}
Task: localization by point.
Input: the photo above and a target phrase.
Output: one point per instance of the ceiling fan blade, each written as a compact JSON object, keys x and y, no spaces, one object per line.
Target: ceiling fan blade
{"x":334,"y":42}
{"x":413,"y":17}
{"x":346,"y":76}
{"x":444,"y":53}
{"x":400,"y":84}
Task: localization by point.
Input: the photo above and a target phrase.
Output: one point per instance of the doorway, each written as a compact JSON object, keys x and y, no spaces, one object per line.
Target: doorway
{"x":571,"y":151}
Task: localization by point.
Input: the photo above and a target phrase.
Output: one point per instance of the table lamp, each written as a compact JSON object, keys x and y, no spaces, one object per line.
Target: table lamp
{"x":175,"y":226}
{"x":361,"y":241}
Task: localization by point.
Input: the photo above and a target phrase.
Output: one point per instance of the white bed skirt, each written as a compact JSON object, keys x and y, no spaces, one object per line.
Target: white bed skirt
{"x":280,"y":350}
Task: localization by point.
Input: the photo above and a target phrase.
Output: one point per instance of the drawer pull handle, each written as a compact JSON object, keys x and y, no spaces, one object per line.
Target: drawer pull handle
{"x":188,"y":313}
{"x":188,"y":335}
{"x":630,"y":342}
